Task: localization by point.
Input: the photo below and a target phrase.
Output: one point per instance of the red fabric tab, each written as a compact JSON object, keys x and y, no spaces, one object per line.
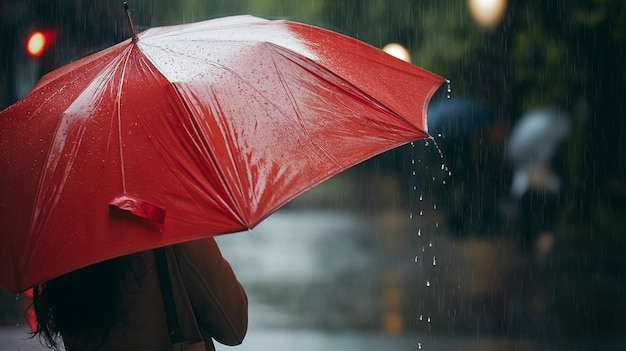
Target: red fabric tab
{"x":140,"y":208}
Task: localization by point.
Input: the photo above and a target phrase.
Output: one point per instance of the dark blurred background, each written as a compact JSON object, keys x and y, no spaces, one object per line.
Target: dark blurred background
{"x":527,"y":207}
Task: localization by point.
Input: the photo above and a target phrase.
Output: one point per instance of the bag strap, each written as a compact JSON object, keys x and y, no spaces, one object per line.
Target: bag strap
{"x":175,"y":332}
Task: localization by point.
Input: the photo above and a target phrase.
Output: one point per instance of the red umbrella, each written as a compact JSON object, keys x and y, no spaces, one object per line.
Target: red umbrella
{"x":190,"y":131}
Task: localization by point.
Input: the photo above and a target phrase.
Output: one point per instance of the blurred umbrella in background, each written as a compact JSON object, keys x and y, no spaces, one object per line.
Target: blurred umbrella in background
{"x":457,"y":117}
{"x":470,"y":138}
{"x":531,"y":147}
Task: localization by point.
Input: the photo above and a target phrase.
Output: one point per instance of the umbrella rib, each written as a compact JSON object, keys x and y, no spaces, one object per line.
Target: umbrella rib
{"x":292,"y":100}
{"x":356,"y":91}
{"x":43,"y":209}
{"x":119,"y":115}
{"x":197,"y":137}
{"x":297,"y":111}
{"x":196,"y":127}
{"x":218,"y":112}
{"x":399,"y":115}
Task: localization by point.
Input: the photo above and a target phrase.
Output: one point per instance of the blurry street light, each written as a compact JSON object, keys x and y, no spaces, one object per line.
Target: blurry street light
{"x":487,"y":13}
{"x":39,"y":41}
{"x":397,"y":51}
{"x":35,"y":44}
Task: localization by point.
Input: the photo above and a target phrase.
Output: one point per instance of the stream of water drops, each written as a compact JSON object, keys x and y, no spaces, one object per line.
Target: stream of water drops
{"x":425,"y":230}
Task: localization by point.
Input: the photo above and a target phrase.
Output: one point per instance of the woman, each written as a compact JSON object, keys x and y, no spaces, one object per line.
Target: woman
{"x":119,"y":304}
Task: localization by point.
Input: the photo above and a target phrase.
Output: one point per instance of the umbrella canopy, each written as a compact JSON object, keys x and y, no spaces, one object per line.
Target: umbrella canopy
{"x":190,"y":131}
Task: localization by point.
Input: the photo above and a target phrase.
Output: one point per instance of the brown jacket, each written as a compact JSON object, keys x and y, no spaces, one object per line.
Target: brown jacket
{"x":210,"y":302}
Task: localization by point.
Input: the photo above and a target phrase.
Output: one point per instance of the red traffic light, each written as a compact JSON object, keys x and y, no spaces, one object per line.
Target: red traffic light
{"x":39,"y":41}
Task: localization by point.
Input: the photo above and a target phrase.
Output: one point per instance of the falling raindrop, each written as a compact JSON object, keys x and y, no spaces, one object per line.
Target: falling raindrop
{"x":434,"y":261}
{"x":449,"y":90}
{"x":426,"y":143}
{"x":411,"y":215}
{"x":419,"y":345}
{"x":421,"y":317}
{"x":416,"y":258}
{"x":427,"y":283}
{"x":428,"y":320}
{"x":17,"y":301}
{"x":436,"y":146}
{"x":419,"y":232}
{"x":421,"y":197}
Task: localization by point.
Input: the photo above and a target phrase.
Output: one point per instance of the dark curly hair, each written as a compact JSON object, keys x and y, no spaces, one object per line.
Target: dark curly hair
{"x":83,"y":305}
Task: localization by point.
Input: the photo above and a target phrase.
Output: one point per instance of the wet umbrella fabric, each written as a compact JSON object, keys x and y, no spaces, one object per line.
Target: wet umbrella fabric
{"x":190,"y":131}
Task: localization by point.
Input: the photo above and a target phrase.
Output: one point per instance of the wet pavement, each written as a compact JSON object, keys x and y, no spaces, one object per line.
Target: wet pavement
{"x":17,"y":339}
{"x":307,"y":269}
{"x":340,"y":280}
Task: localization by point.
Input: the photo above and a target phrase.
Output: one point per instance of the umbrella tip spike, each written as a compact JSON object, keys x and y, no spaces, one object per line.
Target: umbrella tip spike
{"x":130,"y":22}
